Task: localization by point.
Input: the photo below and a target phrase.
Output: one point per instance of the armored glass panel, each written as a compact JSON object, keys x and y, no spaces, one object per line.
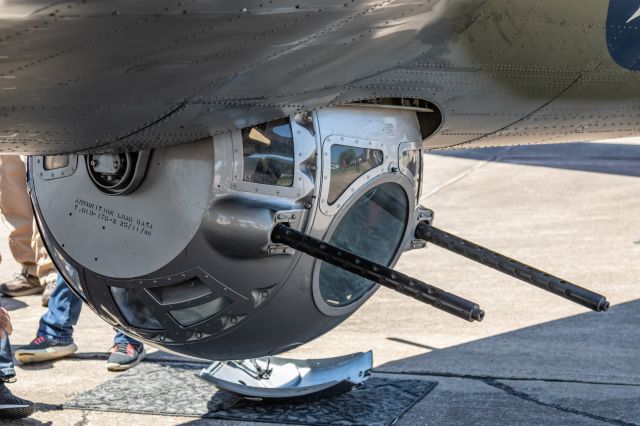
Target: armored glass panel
{"x":348,"y":163}
{"x":190,"y":316}
{"x":181,"y":292}
{"x":372,"y":228}
{"x":268,"y":153}
{"x":134,"y":310}
{"x":411,"y":161}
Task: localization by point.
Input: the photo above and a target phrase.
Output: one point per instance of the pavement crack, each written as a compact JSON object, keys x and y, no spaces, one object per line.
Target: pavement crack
{"x":515,"y":379}
{"x":526,"y":397}
{"x":84,"y":420}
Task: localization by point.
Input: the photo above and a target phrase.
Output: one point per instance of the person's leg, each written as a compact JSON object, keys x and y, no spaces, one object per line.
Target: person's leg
{"x":63,"y":313}
{"x":55,"y":334}
{"x":16,"y":210}
{"x":7,"y":370}
{"x":120,"y":337}
{"x":125,"y":353}
{"x":18,"y":216}
{"x":45,"y":269}
{"x":11,"y":407}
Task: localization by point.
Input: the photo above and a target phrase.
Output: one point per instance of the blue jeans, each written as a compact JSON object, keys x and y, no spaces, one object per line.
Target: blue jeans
{"x":56,"y":324}
{"x":64,"y":310}
{"x":6,"y":359}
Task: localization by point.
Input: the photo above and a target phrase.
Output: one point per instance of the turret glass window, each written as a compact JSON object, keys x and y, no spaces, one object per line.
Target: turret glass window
{"x":372,"y":228}
{"x":348,"y":163}
{"x":268,"y":153}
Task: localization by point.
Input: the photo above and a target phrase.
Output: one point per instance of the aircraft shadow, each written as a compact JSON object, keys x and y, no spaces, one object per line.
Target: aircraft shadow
{"x":609,"y":158}
{"x":583,"y":369}
{"x":590,"y":347}
{"x":26,"y":422}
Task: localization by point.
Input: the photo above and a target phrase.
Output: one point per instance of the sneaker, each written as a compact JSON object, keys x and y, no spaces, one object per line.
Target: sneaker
{"x":124,"y":356}
{"x":21,"y":285}
{"x":12,"y":407}
{"x":46,"y":294}
{"x":42,"y":349}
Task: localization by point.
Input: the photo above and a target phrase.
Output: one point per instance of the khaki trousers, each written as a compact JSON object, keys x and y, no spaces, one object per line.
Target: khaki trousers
{"x":24,"y":239}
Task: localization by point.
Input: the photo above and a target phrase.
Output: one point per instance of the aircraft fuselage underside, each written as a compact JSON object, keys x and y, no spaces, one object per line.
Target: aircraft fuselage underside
{"x":125,"y":76}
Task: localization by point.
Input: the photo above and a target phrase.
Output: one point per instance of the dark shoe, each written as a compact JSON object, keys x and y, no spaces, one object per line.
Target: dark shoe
{"x":48,"y":289}
{"x":42,"y":349}
{"x":21,"y":285}
{"x":12,"y":407}
{"x":124,"y":356}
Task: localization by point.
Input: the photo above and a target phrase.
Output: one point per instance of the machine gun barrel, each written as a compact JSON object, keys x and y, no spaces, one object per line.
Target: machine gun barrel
{"x":427,"y":232}
{"x":375,"y":272}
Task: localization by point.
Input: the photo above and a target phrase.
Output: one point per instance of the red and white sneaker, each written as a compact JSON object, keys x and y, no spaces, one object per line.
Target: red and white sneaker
{"x":124,"y":356}
{"x":42,"y":349}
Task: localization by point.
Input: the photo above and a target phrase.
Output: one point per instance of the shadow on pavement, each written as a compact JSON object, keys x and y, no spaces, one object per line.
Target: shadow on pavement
{"x":591,"y":347}
{"x":27,"y":422}
{"x":11,"y":304}
{"x":610,"y":158}
{"x":411,"y":343}
{"x":582,"y":369}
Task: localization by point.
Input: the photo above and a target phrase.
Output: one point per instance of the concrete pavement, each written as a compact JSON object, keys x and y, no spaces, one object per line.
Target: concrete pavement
{"x":573,"y":210}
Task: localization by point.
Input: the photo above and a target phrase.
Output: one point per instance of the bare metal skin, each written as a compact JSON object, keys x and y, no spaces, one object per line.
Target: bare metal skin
{"x":122,"y":75}
{"x":183,"y":258}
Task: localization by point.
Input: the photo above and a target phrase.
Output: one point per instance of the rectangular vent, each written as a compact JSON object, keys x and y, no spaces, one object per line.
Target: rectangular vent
{"x":134,"y":310}
{"x":179,"y":293}
{"x":195,"y":314}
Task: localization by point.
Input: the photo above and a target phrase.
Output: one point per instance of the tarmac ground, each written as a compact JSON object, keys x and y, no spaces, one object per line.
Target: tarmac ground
{"x":573,"y":210}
